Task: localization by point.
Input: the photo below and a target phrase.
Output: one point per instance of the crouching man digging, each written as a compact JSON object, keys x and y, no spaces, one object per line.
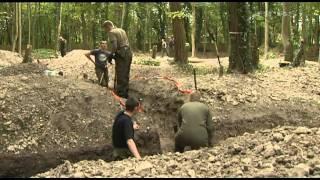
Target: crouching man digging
{"x":101,"y":57}
{"x":123,"y":132}
{"x":195,"y":125}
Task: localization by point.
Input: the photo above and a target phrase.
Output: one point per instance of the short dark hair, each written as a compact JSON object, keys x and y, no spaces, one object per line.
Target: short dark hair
{"x":108,"y":23}
{"x":131,"y":103}
{"x":195,"y":96}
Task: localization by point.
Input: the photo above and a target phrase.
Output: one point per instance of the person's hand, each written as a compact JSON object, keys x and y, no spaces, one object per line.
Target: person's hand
{"x":138,"y":157}
{"x":136,"y":126}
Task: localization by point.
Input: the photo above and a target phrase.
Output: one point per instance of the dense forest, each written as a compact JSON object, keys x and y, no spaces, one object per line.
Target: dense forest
{"x":264,"y":25}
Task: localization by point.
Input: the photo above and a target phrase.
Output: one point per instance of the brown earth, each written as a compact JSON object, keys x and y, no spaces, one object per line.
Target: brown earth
{"x":280,"y":152}
{"x":40,"y":113}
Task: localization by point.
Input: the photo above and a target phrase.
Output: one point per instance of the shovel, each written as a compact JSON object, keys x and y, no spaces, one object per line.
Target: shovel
{"x":216,"y":47}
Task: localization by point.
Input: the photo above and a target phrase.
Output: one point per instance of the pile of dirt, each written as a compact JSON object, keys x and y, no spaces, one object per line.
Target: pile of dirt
{"x":8,"y":58}
{"x":74,"y":64}
{"x":280,"y":152}
{"x":41,"y":113}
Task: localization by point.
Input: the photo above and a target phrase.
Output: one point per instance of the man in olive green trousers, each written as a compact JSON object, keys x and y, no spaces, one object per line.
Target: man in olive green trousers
{"x":195,"y":125}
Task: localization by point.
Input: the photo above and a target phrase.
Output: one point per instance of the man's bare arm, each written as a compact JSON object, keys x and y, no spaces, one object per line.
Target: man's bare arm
{"x":133,"y":148}
{"x":89,"y":57}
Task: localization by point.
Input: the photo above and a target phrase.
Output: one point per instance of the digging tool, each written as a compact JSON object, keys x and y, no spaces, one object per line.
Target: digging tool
{"x":195,"y":79}
{"x":101,"y":78}
{"x":115,"y":81}
{"x":216,"y":47}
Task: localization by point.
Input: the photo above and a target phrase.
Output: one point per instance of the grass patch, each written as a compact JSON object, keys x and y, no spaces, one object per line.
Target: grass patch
{"x":262,"y":68}
{"x":188,"y":69}
{"x":148,"y":62}
{"x":43,"y":53}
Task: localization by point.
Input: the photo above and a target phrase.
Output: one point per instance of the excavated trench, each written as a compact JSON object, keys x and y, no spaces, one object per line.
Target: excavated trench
{"x":160,"y":115}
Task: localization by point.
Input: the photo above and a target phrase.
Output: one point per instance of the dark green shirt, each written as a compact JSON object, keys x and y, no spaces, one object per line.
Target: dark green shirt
{"x":194,"y":118}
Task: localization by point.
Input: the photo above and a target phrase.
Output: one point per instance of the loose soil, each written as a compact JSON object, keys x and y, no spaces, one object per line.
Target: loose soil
{"x":41,"y":113}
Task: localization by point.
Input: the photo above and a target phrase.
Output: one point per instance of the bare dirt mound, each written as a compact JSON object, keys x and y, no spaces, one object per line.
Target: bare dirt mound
{"x":45,"y":120}
{"x":39,"y":113}
{"x":280,"y":152}
{"x":74,"y":64}
{"x":8,"y":58}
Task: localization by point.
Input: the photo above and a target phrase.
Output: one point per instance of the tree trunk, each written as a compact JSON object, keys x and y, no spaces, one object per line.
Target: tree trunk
{"x":141,"y":14}
{"x":16,"y":28}
{"x":20,"y":29}
{"x":29,"y":23}
{"x":147,"y":26}
{"x":27,"y":56}
{"x":154,"y":51}
{"x":239,"y":58}
{"x":179,"y":35}
{"x":162,"y":26}
{"x":266,"y":32}
{"x":303,"y":25}
{"x":260,"y":29}
{"x":84,"y":31}
{"x":253,"y":44}
{"x":58,"y":23}
{"x":186,"y":24}
{"x":299,"y":59}
{"x":199,"y":21}
{"x":309,"y":32}
{"x":193,"y":27}
{"x":123,"y":14}
{"x":224,"y":22}
{"x":316,"y":35}
{"x":39,"y":26}
{"x":286,"y":33}
{"x":204,"y":32}
{"x":319,"y":58}
{"x":126,"y":20}
{"x":296,"y":25}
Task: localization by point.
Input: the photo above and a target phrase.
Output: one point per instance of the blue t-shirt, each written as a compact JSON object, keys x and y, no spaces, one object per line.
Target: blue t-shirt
{"x":100,"y":57}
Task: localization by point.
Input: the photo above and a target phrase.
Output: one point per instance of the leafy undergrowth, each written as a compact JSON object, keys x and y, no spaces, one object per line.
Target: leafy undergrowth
{"x":148,"y":62}
{"x":43,"y":53}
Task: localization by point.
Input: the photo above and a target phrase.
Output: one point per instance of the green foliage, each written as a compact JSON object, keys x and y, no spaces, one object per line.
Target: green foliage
{"x":179,"y":14}
{"x":262,"y":69}
{"x":43,"y":53}
{"x":188,"y":69}
{"x":148,"y":62}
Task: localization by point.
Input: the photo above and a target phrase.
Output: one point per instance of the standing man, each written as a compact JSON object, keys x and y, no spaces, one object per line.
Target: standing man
{"x":63,"y":46}
{"x":195,"y":125}
{"x":123,"y":132}
{"x":123,"y":57}
{"x":101,"y":56}
{"x":164,"y":47}
{"x":171,"y":46}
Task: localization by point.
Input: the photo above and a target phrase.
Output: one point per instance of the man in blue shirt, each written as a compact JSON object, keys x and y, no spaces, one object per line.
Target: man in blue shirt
{"x":101,"y":57}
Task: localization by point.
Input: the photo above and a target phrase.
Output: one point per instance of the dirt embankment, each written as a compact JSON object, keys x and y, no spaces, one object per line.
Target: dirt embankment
{"x":40,"y":113}
{"x":280,"y":152}
{"x":8,"y":58}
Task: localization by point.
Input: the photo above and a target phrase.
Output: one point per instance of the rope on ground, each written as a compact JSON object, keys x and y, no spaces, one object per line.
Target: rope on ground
{"x":118,"y":98}
{"x":177,"y":84}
